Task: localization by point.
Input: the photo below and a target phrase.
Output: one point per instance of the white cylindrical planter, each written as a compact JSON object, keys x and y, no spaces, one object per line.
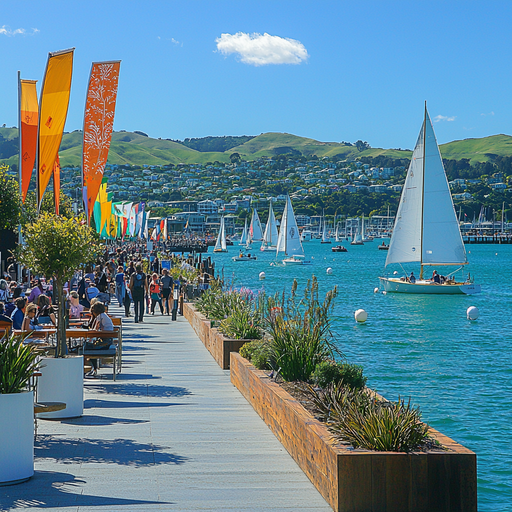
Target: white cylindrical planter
{"x":62,"y":380}
{"x":16,"y":437}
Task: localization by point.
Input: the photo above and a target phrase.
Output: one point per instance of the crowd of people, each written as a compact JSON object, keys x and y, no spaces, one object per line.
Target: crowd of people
{"x":118,"y":273}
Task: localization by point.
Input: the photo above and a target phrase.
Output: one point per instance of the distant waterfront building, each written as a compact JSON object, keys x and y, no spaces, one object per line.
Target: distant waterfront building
{"x":207,"y":207}
{"x":302,"y":220}
{"x":186,"y":206}
{"x":196,"y":221}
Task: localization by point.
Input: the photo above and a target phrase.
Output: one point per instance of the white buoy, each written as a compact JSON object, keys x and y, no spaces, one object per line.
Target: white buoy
{"x":395,"y":273}
{"x":329,"y":270}
{"x":384,"y":292}
{"x":262,"y":275}
{"x":472,"y":313}
{"x":361,"y":315}
{"x":375,"y":290}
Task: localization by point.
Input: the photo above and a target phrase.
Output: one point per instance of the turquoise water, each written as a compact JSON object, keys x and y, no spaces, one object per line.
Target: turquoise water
{"x":458,"y":372}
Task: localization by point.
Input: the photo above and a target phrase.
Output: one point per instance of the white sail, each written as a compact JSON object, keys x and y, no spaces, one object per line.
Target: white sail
{"x":337,"y":235}
{"x":270,"y":236}
{"x":289,"y":238}
{"x":255,"y":229}
{"x":220,"y":245}
{"x":426,"y":228}
{"x":324,"y":230}
{"x":243,"y":240}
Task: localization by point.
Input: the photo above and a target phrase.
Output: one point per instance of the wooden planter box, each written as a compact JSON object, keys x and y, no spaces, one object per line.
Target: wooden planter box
{"x":217,"y":344}
{"x":359,"y":480}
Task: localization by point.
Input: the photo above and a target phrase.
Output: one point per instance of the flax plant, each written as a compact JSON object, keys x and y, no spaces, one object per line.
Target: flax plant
{"x":18,"y":362}
{"x":300,"y":331}
{"x":367,"y":422}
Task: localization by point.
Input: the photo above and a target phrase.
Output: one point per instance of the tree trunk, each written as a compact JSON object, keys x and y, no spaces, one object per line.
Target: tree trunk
{"x":61,"y":319}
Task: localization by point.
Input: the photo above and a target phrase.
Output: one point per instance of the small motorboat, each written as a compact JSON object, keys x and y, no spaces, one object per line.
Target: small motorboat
{"x":383,"y":247}
{"x":244,"y":257}
{"x":339,"y":248}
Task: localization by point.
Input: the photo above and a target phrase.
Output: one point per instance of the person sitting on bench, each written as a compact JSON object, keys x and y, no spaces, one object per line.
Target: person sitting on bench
{"x":101,"y":322}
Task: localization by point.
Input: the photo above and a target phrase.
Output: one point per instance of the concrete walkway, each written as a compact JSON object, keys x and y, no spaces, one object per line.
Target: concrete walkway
{"x":171,"y":433}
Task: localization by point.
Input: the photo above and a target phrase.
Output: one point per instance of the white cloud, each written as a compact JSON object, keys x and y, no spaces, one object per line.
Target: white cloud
{"x":172,"y":40}
{"x":489,"y":114}
{"x":6,"y":31}
{"x":444,"y":118}
{"x":258,"y":49}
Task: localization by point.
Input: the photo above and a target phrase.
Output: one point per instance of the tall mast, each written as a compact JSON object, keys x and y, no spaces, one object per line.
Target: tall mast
{"x":423,"y":189}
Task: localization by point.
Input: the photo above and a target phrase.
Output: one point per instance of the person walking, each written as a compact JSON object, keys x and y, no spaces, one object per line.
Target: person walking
{"x":120,"y":286}
{"x":139,"y":288}
{"x":166,"y":281}
{"x":155,"y":290}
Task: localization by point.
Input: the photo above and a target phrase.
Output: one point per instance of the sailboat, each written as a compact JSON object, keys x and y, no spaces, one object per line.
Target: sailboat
{"x":358,"y":239}
{"x":255,"y":231}
{"x":325,"y":238}
{"x":271,"y":235}
{"x":337,"y":233}
{"x":243,"y":238}
{"x":426,"y":230}
{"x":366,"y":237}
{"x":289,"y":238}
{"x":220,"y":245}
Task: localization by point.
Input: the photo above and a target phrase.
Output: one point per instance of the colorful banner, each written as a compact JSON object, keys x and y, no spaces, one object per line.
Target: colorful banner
{"x":56,"y":184}
{"x":29,"y":111}
{"x":98,"y":125}
{"x":52,"y":115}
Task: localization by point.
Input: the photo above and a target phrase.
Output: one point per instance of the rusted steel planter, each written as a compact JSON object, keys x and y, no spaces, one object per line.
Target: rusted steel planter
{"x":217,"y":344}
{"x":359,"y":480}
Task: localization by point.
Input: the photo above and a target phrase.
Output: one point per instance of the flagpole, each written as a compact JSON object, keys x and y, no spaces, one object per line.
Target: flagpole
{"x":20,"y":238}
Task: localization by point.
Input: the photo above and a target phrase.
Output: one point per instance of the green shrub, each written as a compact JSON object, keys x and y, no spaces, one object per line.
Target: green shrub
{"x":350,"y":375}
{"x":258,"y":353}
{"x":353,"y":416}
{"x":334,"y":400}
{"x":300,"y":331}
{"x":18,"y":362}
{"x":242,"y":323}
{"x":382,"y":426}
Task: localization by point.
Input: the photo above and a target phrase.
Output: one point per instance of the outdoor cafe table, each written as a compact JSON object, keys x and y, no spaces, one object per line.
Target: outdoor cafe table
{"x":39,"y":333}
{"x":90,"y":334}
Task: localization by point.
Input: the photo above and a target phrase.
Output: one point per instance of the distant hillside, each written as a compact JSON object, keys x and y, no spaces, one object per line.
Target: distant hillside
{"x":138,"y":149}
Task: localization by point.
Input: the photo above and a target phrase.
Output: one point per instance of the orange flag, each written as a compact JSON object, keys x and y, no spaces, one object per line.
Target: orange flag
{"x":52,"y":115}
{"x":56,"y":184}
{"x":98,"y":125}
{"x":28,"y":132}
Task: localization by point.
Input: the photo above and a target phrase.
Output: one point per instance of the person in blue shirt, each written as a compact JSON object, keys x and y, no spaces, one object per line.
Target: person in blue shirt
{"x":3,"y":316}
{"x":19,"y":313}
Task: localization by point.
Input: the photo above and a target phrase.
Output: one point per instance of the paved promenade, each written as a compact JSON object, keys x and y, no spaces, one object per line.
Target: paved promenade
{"x":171,"y":433}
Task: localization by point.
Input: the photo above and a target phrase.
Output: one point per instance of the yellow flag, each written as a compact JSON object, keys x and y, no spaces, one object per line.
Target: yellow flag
{"x":52,"y":115}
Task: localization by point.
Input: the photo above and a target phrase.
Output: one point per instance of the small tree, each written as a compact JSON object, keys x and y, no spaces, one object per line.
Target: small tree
{"x":10,"y":204}
{"x":55,"y":247}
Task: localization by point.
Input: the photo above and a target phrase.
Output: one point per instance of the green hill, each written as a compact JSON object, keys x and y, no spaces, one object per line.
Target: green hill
{"x":138,"y":149}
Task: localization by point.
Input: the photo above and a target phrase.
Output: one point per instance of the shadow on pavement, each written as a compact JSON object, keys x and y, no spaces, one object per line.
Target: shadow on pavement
{"x":113,"y":404}
{"x":94,"y":420}
{"x":52,"y":489}
{"x":124,"y":452}
{"x":139,"y":390}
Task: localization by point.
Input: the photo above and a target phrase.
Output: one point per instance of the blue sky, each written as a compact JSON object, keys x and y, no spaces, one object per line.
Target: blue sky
{"x":329,"y":70}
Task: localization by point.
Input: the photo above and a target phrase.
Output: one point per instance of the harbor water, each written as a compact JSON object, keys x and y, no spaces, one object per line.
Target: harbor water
{"x":420,"y":346}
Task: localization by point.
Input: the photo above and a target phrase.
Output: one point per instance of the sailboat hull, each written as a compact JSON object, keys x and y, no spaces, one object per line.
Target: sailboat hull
{"x":396,"y":285}
{"x":268,"y":248}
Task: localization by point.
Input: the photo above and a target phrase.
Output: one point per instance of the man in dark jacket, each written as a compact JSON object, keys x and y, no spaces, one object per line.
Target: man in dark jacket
{"x":139,"y":288}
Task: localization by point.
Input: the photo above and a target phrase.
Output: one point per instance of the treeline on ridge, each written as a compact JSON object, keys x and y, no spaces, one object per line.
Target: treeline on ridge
{"x":214,"y":144}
